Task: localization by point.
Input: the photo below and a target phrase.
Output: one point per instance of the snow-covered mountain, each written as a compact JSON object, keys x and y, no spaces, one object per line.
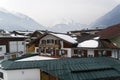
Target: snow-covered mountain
{"x":111,"y":18}
{"x":65,"y":27}
{"x":17,"y":21}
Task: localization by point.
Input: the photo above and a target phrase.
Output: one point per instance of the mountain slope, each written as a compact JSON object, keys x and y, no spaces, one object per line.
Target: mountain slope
{"x":111,"y":18}
{"x":16,"y":21}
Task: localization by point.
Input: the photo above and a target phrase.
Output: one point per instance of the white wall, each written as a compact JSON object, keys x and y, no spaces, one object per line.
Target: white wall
{"x":114,"y":54}
{"x":4,"y":73}
{"x":17,"y":46}
{"x":24,"y":74}
{"x":3,"y":50}
{"x":90,"y":52}
{"x":69,"y":54}
{"x":36,"y":48}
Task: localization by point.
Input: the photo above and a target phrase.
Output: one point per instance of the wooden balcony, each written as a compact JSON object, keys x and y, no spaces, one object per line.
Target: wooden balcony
{"x":50,"y":45}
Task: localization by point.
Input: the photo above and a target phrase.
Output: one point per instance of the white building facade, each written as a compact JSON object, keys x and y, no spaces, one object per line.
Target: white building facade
{"x":22,"y":74}
{"x":56,"y":45}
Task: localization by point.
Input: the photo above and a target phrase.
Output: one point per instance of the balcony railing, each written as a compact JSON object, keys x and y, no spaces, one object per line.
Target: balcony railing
{"x":50,"y":45}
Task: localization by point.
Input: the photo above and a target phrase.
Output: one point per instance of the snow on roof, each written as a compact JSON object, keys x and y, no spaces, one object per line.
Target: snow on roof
{"x":7,"y":32}
{"x":88,"y":43}
{"x":65,"y":37}
{"x":42,"y":32}
{"x":33,"y":58}
{"x":13,"y":35}
{"x":96,"y":38}
{"x":25,"y":32}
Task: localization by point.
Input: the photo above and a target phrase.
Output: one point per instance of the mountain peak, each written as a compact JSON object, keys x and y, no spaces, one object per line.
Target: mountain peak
{"x":17,"y":21}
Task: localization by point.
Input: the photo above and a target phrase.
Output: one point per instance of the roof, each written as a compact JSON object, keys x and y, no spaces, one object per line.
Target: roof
{"x":4,"y":31}
{"x":13,"y":38}
{"x":97,"y":43}
{"x":21,"y":36}
{"x":85,"y":37}
{"x":19,"y":32}
{"x":110,"y":32}
{"x":73,"y":68}
{"x":37,"y":57}
{"x":88,"y":43}
{"x":86,"y":30}
{"x":62,"y":36}
{"x":105,"y":43}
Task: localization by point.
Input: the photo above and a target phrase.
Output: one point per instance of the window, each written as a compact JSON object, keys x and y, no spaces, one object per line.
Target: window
{"x":50,"y":41}
{"x":43,"y":41}
{"x":1,"y":75}
{"x":90,"y":55}
{"x":48,"y":50}
{"x":0,"y":48}
{"x":23,"y":43}
{"x":37,"y":50}
{"x":57,"y":41}
{"x":42,"y":50}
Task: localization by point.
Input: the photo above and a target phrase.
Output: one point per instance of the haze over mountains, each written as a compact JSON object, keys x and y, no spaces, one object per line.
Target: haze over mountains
{"x":17,"y":21}
{"x":111,"y":18}
{"x":65,"y":27}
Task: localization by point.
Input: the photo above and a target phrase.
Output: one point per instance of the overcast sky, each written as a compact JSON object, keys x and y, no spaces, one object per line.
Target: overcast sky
{"x":50,"y":12}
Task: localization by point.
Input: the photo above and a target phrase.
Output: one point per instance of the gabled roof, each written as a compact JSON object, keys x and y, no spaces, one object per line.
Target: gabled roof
{"x":110,"y":32}
{"x":41,"y":32}
{"x":65,"y":37}
{"x":71,"y":69}
{"x":62,"y":36}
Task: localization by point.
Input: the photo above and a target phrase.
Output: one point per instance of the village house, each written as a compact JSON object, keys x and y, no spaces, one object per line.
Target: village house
{"x":98,"y":42}
{"x":96,"y":47}
{"x":56,"y":44}
{"x":33,"y":43}
{"x":112,"y":33}
{"x":33,"y":68}
{"x":12,"y":46}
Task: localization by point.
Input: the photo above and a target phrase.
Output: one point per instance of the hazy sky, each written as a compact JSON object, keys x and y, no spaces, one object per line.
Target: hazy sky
{"x":50,"y":12}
